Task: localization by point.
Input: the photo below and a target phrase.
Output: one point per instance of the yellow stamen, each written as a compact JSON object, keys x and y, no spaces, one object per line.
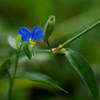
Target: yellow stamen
{"x":33,"y":43}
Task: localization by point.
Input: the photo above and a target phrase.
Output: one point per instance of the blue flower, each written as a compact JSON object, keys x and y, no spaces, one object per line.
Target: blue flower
{"x":35,"y":34}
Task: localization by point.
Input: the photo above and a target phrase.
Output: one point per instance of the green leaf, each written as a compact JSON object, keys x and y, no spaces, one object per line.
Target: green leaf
{"x":4,"y":68}
{"x":18,"y":41}
{"x":11,"y":42}
{"x":84,"y":70}
{"x":27,"y":49}
{"x":38,"y":77}
{"x":49,"y":27}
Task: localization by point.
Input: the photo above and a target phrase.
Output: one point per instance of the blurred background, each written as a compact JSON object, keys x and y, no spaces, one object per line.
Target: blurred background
{"x":72,"y":16}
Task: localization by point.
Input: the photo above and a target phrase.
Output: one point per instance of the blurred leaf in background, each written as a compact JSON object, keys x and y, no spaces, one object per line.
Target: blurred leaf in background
{"x":71,"y":18}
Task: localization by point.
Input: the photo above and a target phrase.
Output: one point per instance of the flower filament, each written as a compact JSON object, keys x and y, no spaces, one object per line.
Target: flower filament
{"x":32,"y":43}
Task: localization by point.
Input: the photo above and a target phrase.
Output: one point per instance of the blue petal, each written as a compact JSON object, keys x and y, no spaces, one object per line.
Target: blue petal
{"x":24,"y":39}
{"x":25,"y":33}
{"x":37,"y":33}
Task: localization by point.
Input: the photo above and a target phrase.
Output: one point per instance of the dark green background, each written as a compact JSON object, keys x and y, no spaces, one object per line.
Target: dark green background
{"x":72,"y":16}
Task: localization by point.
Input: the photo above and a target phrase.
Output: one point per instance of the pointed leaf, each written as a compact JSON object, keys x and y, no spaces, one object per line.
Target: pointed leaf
{"x":11,"y":42}
{"x":84,"y":70}
{"x":4,"y":68}
{"x":26,"y":49}
{"x":38,"y":77}
{"x":49,"y":27}
{"x":18,"y":41}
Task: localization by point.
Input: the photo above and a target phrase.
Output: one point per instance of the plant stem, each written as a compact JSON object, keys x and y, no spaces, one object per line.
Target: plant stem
{"x":12,"y":78}
{"x":80,"y":34}
{"x":16,"y":63}
{"x":49,"y":45}
{"x":10,"y":86}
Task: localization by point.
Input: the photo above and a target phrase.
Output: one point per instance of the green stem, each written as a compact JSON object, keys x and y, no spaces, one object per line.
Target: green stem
{"x":16,"y":63}
{"x":49,"y":45}
{"x":10,"y":86}
{"x":12,"y":78}
{"x":80,"y":34}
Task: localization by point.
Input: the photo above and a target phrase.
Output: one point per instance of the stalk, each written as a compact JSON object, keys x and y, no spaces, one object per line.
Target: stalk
{"x":80,"y":34}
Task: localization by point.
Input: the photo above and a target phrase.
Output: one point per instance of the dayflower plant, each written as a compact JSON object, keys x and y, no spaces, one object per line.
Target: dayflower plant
{"x":28,"y":39}
{"x":31,"y":36}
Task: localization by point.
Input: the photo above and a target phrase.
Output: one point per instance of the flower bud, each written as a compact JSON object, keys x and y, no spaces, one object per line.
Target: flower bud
{"x":49,"y":27}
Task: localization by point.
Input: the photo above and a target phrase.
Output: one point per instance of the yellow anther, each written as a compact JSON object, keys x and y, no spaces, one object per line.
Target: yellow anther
{"x":33,"y":43}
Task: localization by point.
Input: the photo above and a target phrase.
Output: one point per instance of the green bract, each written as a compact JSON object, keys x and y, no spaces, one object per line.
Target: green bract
{"x":26,"y":49}
{"x":49,"y":27}
{"x":18,"y":41}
